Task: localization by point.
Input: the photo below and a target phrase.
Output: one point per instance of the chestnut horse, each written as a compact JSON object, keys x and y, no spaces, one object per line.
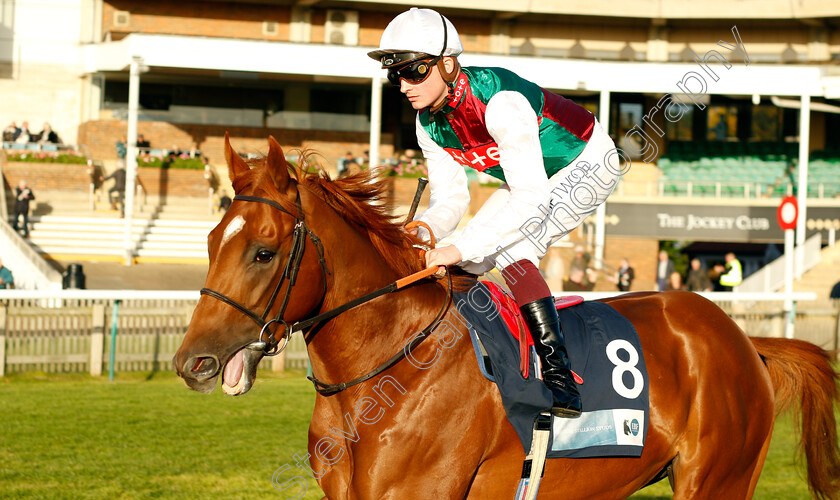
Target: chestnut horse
{"x":441,"y":432}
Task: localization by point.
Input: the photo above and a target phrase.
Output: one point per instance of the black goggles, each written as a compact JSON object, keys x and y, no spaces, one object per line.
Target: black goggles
{"x":413,"y":73}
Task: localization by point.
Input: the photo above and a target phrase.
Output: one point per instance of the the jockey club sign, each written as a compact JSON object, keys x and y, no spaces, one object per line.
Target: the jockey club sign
{"x":707,"y":222}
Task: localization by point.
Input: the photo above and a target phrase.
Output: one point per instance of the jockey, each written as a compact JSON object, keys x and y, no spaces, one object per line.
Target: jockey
{"x":553,"y":157}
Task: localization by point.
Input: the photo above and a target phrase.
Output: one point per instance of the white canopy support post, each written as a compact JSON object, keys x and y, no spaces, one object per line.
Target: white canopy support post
{"x":135,"y":69}
{"x":802,"y":188}
{"x":601,"y":211}
{"x":375,"y":120}
{"x":789,"y":305}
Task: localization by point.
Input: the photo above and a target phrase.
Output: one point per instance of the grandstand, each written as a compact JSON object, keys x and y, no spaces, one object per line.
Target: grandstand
{"x":743,"y":71}
{"x":736,"y":169}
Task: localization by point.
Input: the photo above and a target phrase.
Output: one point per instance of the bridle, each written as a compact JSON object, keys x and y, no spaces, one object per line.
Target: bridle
{"x":290,"y":273}
{"x":272,"y":346}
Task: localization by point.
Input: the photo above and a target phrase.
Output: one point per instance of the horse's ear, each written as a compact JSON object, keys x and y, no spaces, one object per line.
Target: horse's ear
{"x":276,"y":163}
{"x":236,"y":165}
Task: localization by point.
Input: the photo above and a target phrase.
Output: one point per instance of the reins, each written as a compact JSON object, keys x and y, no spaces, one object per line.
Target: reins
{"x":329,"y":389}
{"x":290,"y":271}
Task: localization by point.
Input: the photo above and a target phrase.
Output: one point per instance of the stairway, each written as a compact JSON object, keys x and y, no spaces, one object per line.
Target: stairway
{"x":823,"y":276}
{"x":173,"y":229}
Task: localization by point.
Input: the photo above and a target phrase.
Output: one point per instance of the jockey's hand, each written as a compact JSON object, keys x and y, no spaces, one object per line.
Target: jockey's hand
{"x":414,"y":231}
{"x":443,"y":256}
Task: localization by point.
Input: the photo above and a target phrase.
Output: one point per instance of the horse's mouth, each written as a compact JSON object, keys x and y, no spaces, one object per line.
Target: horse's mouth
{"x":240,"y":371}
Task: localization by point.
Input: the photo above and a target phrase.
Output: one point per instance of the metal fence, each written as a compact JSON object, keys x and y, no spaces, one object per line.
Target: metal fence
{"x":70,"y":331}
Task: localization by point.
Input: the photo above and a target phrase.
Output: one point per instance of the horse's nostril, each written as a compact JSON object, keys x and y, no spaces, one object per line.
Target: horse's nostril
{"x":201,"y":367}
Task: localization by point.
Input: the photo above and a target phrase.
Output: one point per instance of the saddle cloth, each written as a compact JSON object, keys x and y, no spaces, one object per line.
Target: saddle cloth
{"x":605,"y":353}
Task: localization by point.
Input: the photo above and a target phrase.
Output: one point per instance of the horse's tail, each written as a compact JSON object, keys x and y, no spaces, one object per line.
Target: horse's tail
{"x":802,"y":374}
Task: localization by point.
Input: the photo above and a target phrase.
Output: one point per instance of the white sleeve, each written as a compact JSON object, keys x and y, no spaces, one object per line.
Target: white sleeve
{"x":512,"y":123}
{"x":450,"y":195}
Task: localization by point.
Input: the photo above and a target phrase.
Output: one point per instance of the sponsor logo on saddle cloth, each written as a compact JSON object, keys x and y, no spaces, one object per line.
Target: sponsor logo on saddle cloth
{"x":605,"y":354}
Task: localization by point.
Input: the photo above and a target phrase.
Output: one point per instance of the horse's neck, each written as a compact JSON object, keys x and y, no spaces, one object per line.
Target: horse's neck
{"x":360,"y":339}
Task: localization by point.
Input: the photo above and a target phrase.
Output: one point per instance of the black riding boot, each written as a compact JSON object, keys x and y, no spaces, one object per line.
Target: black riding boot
{"x":542,"y":321}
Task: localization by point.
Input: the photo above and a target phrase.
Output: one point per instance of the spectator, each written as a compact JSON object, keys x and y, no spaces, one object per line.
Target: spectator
{"x":731,"y":274}
{"x":346,"y":164}
{"x":24,"y":137}
{"x":142,"y":142}
{"x":364,"y":160}
{"x":48,"y":135}
{"x":771,"y":253}
{"x":674,"y":282}
{"x":11,"y":133}
{"x":173,"y":155}
{"x":6,"y":278}
{"x":577,"y":282}
{"x":624,"y":276}
{"x":698,"y":278}
{"x":23,"y":195}
{"x":835,"y":291}
{"x":224,"y":201}
{"x":119,"y":186}
{"x":121,"y":150}
{"x":580,"y":262}
{"x":663,"y":270}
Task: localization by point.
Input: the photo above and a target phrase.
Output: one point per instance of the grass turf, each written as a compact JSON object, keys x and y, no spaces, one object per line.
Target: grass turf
{"x":73,"y":436}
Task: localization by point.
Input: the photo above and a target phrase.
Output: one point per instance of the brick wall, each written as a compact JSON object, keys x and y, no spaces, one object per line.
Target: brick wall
{"x":641,"y":252}
{"x":401,"y":192}
{"x":76,"y":178}
{"x":216,"y":19}
{"x":101,"y":136}
{"x":47,"y":176}
{"x":239,"y":20}
{"x":172,"y":182}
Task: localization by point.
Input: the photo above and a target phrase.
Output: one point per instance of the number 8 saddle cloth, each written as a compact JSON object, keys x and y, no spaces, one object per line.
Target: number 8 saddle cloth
{"x":606,"y":357}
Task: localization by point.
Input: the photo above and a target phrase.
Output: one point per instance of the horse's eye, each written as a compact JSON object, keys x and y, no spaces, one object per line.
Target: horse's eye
{"x":265,"y":256}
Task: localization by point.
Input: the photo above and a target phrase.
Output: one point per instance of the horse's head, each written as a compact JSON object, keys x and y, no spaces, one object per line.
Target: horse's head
{"x":265,"y":264}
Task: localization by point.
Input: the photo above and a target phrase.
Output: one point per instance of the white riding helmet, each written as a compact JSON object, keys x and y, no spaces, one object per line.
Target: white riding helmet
{"x":415,"y":32}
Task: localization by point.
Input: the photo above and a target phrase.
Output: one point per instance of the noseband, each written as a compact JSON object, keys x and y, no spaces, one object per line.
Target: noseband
{"x":290,"y":271}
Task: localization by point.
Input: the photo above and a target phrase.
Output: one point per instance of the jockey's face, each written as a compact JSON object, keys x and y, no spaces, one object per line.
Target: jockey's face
{"x":431,"y":92}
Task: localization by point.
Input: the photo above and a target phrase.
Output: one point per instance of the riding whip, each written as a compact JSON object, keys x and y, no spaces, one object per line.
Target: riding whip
{"x":421,"y":185}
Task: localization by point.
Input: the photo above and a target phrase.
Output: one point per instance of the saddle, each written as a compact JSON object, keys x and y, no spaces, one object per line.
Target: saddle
{"x":606,"y":358}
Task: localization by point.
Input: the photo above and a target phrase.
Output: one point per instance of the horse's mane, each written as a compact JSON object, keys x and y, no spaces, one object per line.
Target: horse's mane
{"x":359,"y":198}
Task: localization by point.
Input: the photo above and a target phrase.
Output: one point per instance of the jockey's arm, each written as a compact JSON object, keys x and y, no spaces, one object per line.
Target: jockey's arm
{"x":449,"y":193}
{"x":512,"y":123}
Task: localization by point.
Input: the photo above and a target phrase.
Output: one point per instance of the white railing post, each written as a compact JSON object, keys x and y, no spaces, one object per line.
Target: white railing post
{"x":97,"y":340}
{"x":278,"y":363}
{"x":3,"y":340}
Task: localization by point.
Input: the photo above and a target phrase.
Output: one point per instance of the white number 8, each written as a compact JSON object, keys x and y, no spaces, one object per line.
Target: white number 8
{"x":625,"y":366}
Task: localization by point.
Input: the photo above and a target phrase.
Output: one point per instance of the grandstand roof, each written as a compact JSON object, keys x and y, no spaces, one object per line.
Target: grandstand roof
{"x":322,"y":60}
